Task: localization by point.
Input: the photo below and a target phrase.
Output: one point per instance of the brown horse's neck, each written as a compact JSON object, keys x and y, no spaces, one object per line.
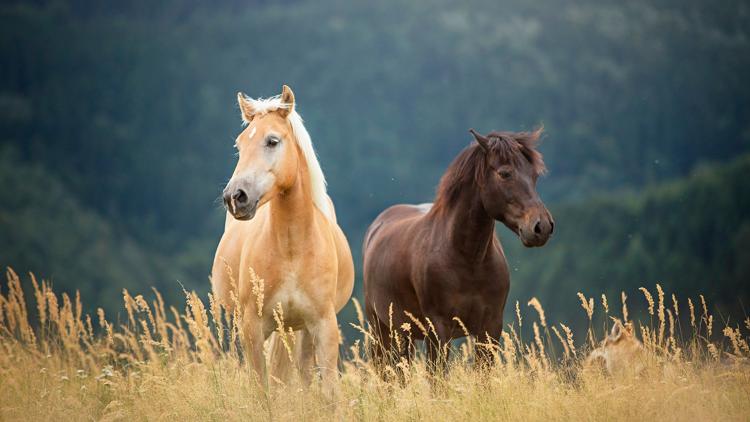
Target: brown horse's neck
{"x":293,"y":212}
{"x":467,"y":226}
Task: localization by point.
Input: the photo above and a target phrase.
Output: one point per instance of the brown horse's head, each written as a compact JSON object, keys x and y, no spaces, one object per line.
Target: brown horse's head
{"x":272,"y":149}
{"x":507,"y":183}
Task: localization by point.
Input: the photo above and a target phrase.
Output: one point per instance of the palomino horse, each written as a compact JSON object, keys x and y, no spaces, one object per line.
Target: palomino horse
{"x":443,"y":260}
{"x":281,"y":224}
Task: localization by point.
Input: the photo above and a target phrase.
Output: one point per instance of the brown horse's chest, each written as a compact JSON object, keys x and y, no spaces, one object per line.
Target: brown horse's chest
{"x":473,"y":292}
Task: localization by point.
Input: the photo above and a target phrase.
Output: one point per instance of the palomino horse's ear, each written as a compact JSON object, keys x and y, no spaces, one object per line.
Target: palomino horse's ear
{"x":246,"y":108}
{"x":481,"y":140}
{"x":287,"y":99}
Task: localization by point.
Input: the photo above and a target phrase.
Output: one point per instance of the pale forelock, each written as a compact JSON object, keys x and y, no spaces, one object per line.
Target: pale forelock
{"x":317,"y":178}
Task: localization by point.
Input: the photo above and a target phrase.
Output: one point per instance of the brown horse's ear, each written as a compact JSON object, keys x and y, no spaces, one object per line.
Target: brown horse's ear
{"x":287,"y":101}
{"x":246,"y":108}
{"x":481,"y":140}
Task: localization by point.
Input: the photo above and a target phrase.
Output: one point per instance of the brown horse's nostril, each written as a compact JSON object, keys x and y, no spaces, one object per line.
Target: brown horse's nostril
{"x":551,"y":227}
{"x":240,"y":197}
{"x":538,"y":227}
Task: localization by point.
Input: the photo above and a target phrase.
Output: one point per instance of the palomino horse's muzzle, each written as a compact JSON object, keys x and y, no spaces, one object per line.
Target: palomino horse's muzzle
{"x":241,"y":205}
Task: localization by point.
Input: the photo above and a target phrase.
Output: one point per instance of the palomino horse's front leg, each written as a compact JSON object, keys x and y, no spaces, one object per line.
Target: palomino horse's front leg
{"x":306,"y":356}
{"x":252,"y":342}
{"x":325,"y":334}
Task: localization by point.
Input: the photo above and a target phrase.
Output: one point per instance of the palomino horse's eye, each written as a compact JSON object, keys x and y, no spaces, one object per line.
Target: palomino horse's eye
{"x":272,"y":141}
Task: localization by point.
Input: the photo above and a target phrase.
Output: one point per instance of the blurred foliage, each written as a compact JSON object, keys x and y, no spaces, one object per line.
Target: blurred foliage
{"x":47,"y":231}
{"x":117,"y":122}
{"x":692,"y":235}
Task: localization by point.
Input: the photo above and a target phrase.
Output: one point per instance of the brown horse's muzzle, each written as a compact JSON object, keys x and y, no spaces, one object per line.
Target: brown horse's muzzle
{"x":537,"y":229}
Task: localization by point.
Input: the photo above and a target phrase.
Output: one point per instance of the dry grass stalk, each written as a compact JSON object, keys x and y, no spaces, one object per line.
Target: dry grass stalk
{"x":692,"y":312}
{"x":662,"y":318}
{"x":417,"y":322}
{"x":534,"y":303}
{"x":564,"y":344}
{"x":649,"y":299}
{"x":258,"y":290}
{"x":518,"y":314}
{"x":587,"y":305}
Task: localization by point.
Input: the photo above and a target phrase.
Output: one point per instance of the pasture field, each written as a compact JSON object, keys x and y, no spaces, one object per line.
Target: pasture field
{"x":164,"y":364}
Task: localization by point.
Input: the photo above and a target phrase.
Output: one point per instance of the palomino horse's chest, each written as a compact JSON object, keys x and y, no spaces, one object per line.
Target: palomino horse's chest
{"x":290,"y":301}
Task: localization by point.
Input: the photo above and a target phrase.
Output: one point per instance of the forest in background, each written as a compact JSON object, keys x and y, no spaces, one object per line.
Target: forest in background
{"x":117,"y":124}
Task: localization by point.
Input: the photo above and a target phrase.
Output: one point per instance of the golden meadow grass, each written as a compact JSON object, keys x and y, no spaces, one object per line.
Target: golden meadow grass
{"x":169,"y":364}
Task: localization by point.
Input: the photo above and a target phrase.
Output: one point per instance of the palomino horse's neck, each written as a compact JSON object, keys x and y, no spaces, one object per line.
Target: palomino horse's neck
{"x":468,"y":227}
{"x":293,"y":213}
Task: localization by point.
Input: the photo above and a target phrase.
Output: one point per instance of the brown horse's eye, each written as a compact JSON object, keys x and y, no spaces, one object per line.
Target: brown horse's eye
{"x":505,"y":174}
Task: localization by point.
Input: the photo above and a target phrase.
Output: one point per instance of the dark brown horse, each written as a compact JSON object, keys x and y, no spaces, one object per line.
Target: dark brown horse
{"x":443,"y":260}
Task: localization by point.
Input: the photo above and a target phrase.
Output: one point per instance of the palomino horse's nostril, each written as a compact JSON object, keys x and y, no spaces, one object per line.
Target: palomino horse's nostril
{"x":240,"y":197}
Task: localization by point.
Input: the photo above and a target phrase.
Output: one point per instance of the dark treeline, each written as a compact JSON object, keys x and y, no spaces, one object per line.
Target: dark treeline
{"x":117,"y":124}
{"x":691,"y":236}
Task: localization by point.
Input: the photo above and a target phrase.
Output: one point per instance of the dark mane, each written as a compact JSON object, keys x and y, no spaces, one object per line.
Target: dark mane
{"x":470,"y":165}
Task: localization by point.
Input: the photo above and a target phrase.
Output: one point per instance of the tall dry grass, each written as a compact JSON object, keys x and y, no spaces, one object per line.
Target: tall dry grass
{"x":185,"y":364}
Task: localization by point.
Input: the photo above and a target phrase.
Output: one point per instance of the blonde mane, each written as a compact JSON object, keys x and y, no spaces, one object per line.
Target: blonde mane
{"x":317,"y":179}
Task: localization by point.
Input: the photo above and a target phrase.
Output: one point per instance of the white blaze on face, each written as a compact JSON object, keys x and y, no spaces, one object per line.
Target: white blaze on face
{"x":258,"y":177}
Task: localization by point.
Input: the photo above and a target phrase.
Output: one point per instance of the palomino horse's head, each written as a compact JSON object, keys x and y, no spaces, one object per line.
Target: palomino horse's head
{"x":507,"y":183}
{"x":269,"y":153}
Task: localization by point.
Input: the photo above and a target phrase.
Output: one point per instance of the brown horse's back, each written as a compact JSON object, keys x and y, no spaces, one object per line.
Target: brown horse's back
{"x":399,"y":215}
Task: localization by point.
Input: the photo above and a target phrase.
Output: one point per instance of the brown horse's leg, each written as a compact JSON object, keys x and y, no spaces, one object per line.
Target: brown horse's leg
{"x":384,"y":351}
{"x":485,"y":353}
{"x":438,"y":347}
{"x":378,"y":346}
{"x":375,"y":349}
